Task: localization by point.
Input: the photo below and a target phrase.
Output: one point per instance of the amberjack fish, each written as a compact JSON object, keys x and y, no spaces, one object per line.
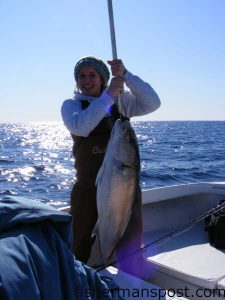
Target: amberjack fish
{"x":117,"y":183}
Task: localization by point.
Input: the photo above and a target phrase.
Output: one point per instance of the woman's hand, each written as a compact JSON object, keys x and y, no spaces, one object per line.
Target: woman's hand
{"x":115,"y":86}
{"x":118,"y":70}
{"x":117,"y":67}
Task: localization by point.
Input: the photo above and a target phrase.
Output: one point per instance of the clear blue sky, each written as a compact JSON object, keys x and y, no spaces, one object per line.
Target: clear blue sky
{"x":178,"y":46}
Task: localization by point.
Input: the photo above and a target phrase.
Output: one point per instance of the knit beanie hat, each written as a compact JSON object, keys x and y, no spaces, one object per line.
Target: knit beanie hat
{"x":96,"y":64}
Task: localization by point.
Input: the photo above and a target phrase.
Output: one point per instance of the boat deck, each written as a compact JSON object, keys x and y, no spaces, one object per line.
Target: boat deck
{"x":188,"y":259}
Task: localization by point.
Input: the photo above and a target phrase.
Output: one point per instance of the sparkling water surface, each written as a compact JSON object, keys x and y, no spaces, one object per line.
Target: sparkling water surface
{"x":36,"y":158}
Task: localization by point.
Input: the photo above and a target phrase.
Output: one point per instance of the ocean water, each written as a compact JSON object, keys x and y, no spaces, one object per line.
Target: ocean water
{"x":36,"y":158}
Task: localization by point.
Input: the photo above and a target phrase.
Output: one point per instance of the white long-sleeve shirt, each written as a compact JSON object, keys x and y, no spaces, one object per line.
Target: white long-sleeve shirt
{"x":140,"y":100}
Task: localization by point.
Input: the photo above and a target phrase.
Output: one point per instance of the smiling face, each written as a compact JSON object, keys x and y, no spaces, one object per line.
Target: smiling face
{"x":89,"y":82}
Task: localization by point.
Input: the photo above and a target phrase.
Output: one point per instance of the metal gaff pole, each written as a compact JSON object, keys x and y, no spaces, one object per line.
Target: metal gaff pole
{"x":113,"y":41}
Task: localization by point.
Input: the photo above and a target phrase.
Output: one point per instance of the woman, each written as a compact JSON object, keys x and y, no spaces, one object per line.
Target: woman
{"x":89,"y":117}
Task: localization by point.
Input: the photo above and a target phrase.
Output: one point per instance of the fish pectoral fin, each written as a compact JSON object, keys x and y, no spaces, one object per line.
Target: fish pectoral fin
{"x":120,"y":165}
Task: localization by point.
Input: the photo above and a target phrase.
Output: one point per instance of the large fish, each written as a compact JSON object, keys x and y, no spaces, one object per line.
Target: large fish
{"x":117,"y":183}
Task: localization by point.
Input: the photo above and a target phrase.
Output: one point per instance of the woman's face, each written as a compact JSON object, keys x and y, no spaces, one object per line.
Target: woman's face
{"x":89,"y":82}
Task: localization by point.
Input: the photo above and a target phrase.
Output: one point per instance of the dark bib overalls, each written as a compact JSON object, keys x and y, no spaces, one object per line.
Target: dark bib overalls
{"x":89,"y":154}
